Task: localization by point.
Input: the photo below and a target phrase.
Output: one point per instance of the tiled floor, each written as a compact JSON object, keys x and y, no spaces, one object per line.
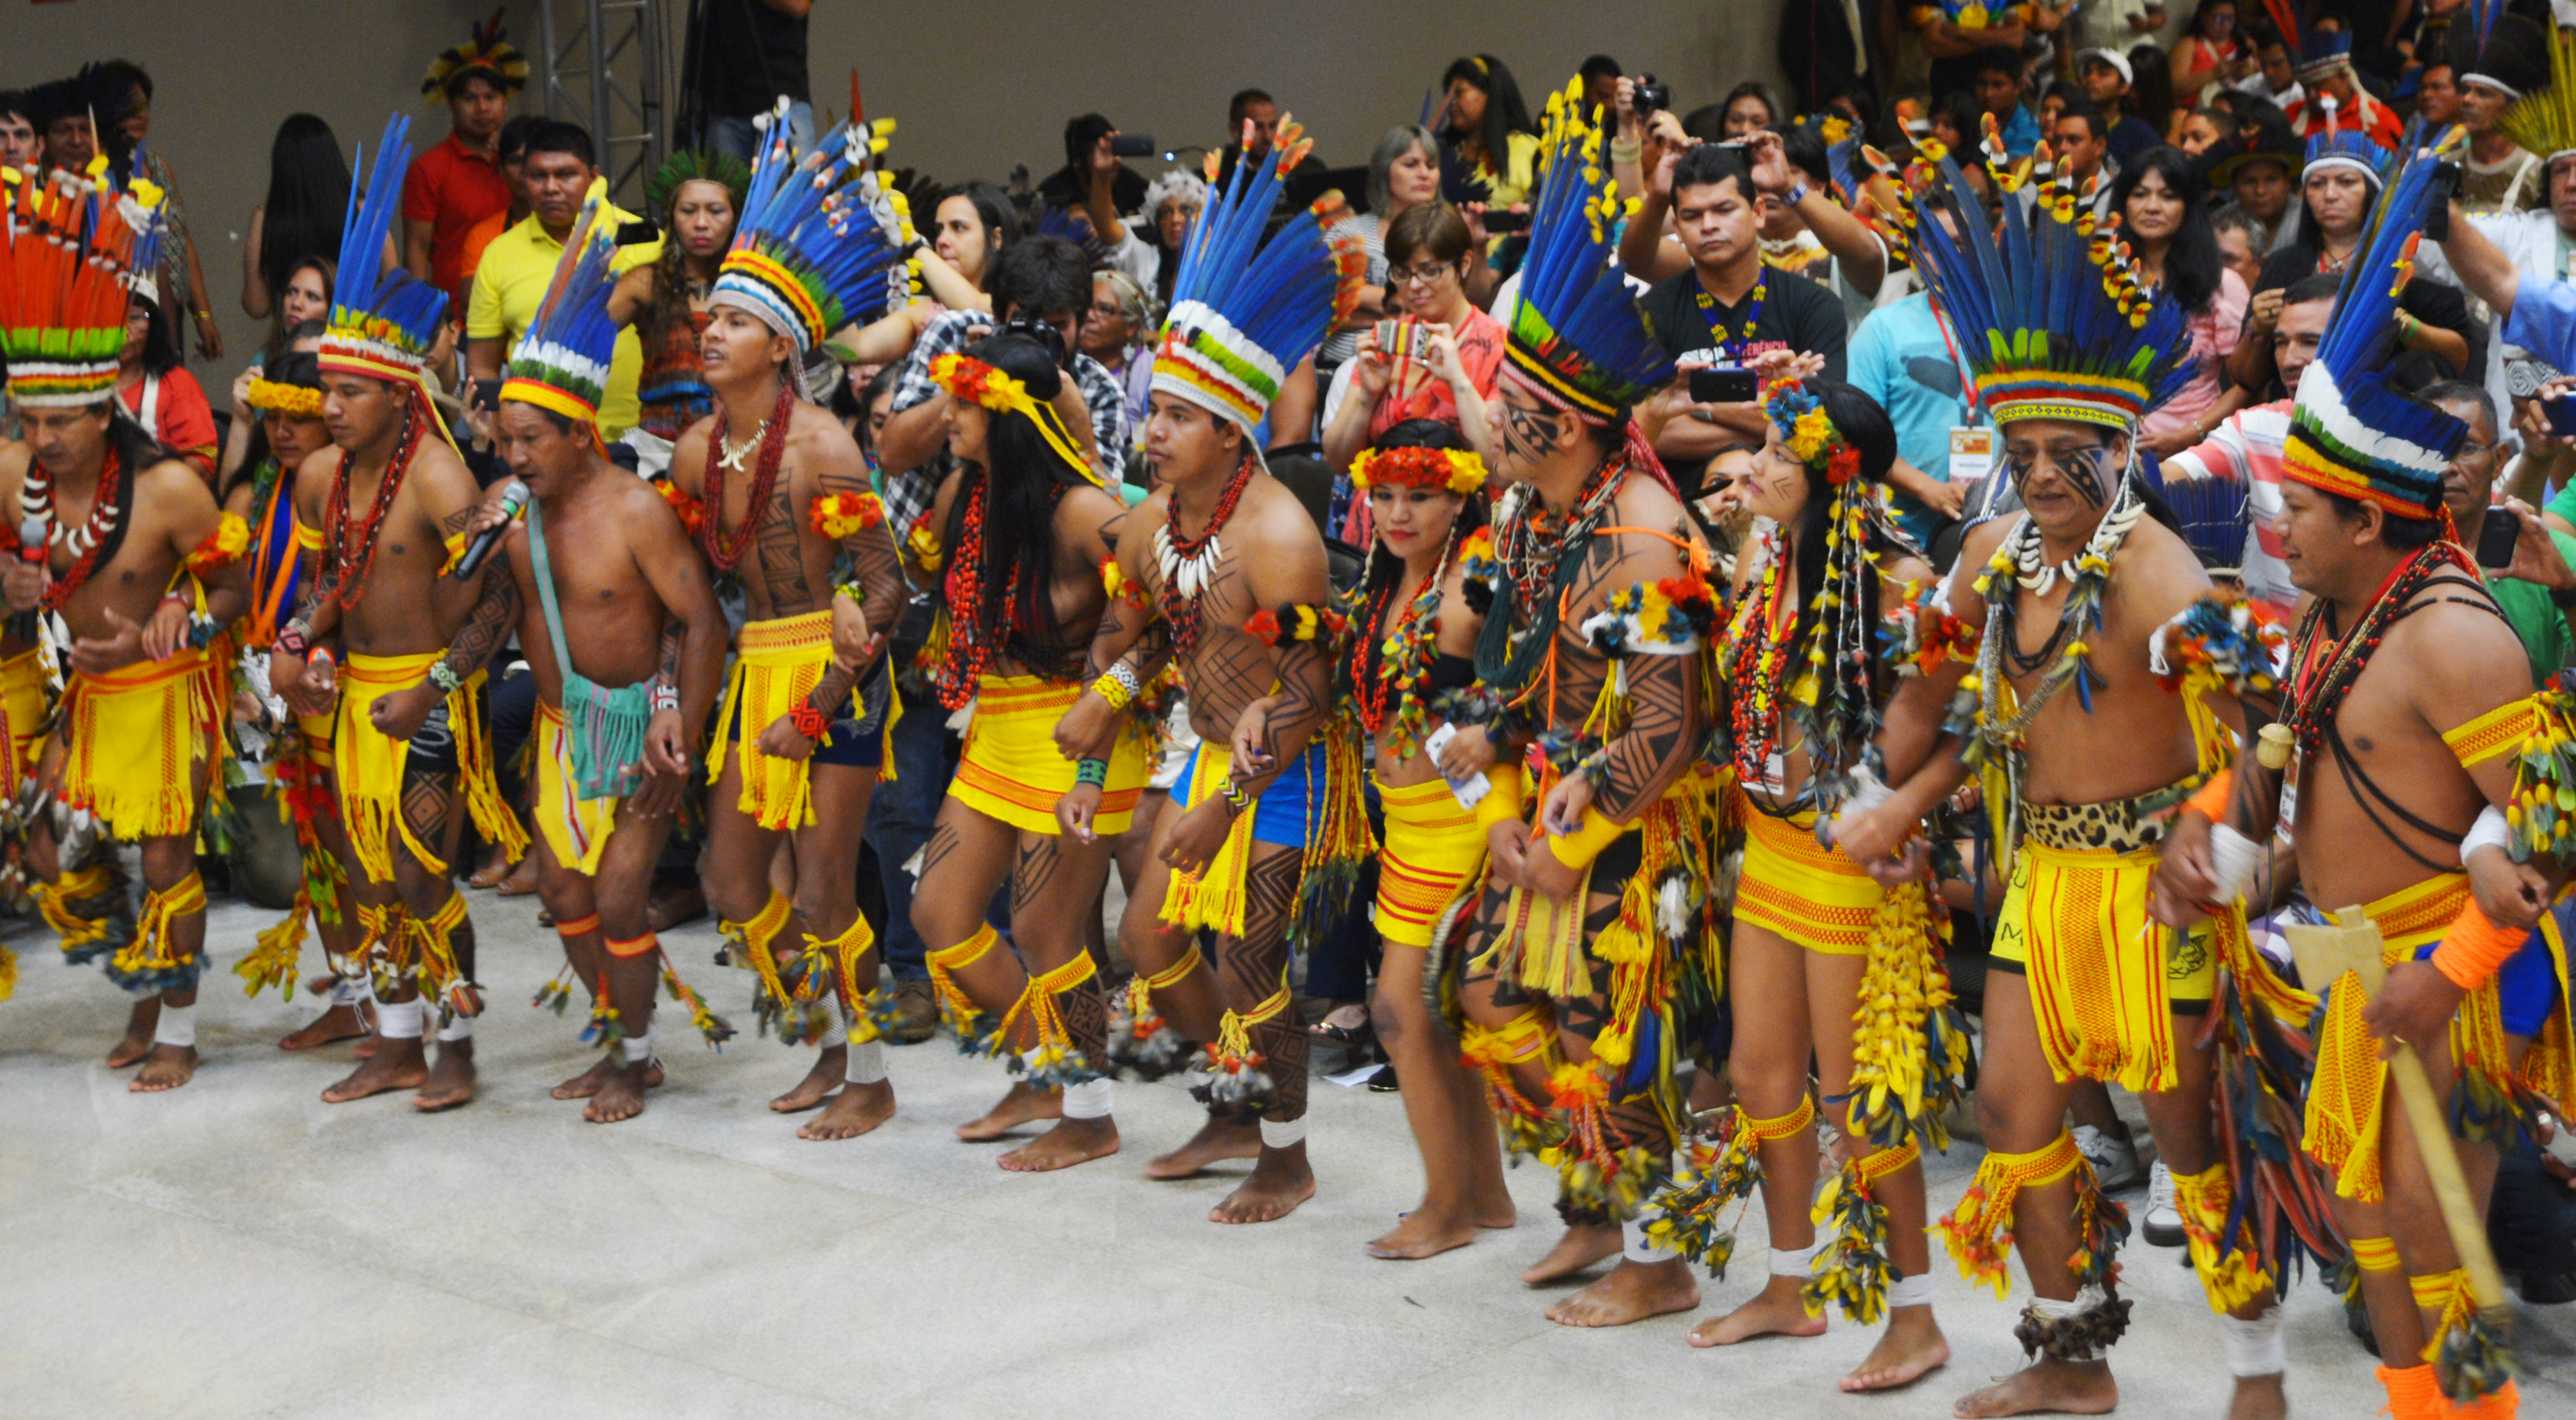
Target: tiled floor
{"x":239,"y":1248}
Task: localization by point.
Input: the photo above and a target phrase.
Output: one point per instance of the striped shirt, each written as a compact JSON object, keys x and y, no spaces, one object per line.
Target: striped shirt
{"x":2247,"y":449}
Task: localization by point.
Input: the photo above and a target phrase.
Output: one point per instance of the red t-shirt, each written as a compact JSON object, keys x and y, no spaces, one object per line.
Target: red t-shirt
{"x":452,"y":187}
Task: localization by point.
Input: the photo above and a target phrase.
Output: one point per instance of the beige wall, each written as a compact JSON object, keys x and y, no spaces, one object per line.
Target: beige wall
{"x":976,"y":89}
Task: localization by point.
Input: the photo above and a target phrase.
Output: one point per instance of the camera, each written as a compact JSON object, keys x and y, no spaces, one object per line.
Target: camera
{"x":1648,"y":95}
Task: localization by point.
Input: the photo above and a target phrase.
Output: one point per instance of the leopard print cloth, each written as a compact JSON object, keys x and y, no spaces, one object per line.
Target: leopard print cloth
{"x":2132,"y":825}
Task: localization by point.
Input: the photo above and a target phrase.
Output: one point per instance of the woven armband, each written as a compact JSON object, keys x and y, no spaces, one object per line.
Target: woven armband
{"x":2498,"y":732}
{"x":2474,"y":947}
{"x":809,"y":721}
{"x":1117,"y":685}
{"x":1579,"y":848}
{"x":2211,"y":798}
{"x":1504,"y":802}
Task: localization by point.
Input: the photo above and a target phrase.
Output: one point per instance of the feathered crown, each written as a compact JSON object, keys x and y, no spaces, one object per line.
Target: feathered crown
{"x":76,"y":249}
{"x":695,"y":165}
{"x":1578,"y":340}
{"x":2315,"y":53}
{"x":2506,"y":53}
{"x":821,"y":241}
{"x":484,"y":52}
{"x":2544,"y":121}
{"x":1244,"y":311}
{"x":2068,"y":331}
{"x":561,"y":361}
{"x":2334,"y":146}
{"x":382,"y":323}
{"x":2350,"y":434}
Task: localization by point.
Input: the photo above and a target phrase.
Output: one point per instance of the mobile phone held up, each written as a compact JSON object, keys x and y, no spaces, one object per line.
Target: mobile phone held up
{"x":2496,"y":537}
{"x":1723,"y":384}
{"x":1400,"y":339}
{"x":1131,"y":145}
{"x":1503,"y":222}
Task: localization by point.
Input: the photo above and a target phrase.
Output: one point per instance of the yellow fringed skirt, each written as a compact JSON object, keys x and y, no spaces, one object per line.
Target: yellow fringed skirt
{"x":135,"y":741}
{"x":1011,"y":771}
{"x":575,"y":829}
{"x":1435,"y":851}
{"x":22,"y":714}
{"x":368,"y":766}
{"x":1800,"y":890}
{"x":776,"y":664}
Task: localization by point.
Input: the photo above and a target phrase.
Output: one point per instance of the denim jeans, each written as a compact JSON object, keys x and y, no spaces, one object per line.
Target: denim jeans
{"x":899,"y":821}
{"x":737,"y":136}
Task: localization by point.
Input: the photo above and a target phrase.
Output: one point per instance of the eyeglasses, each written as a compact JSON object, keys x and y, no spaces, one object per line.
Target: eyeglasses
{"x":1107,"y":311}
{"x":1418,"y":275}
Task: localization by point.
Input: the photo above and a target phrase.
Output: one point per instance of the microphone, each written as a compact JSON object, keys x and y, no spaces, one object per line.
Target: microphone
{"x":514,"y":497}
{"x":32,"y":536}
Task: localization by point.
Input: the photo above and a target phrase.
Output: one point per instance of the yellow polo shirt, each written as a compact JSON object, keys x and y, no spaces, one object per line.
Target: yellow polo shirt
{"x":511,"y":281}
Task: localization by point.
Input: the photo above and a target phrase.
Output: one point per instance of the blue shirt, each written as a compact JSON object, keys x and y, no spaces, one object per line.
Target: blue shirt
{"x":2020,"y":132}
{"x":2544,"y":320}
{"x":1899,"y":359}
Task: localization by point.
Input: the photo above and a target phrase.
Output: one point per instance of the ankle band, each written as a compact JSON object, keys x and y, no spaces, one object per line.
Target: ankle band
{"x":1635,"y":1246}
{"x":459,"y":1027}
{"x":1278,"y":1135}
{"x":178,"y":1026}
{"x":639,"y":1048}
{"x":632,"y":947}
{"x":866,"y":1063}
{"x":1088,"y":1100}
{"x":345,"y":992}
{"x":836,"y":1034}
{"x":2256,"y":1348}
{"x":1793,"y":1261}
{"x":1914,"y":1291}
{"x":399,"y":1020}
{"x":577,"y":926}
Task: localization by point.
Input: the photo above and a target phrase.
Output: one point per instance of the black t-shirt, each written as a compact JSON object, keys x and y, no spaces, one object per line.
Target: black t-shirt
{"x":748,"y":55}
{"x":1797,"y":314}
{"x":2435,"y":303}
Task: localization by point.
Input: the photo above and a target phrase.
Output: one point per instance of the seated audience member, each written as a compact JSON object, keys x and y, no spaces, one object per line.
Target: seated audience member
{"x":164,"y":398}
{"x":1487,"y":128}
{"x":1404,"y":172}
{"x":1449,"y":356}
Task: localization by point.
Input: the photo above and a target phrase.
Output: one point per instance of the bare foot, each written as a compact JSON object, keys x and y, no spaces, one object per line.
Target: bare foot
{"x":396,"y":1065}
{"x":1024,"y":1103}
{"x":587,"y":1083}
{"x":852,"y":1112}
{"x":2258,"y":1398}
{"x":1216,"y":1140}
{"x":1420,"y":1234}
{"x":1773,"y":1311}
{"x":818,"y":1084}
{"x":336,"y":1024}
{"x":2050,"y":1387}
{"x":1631,"y":1291}
{"x":1583,"y":1245}
{"x":451,"y":1079}
{"x":1498,"y":1215}
{"x":521,"y":881}
{"x":1911,"y":1347}
{"x":1070,"y":1142}
{"x":167,"y":1067}
{"x":619,"y":1094}
{"x":1279,"y":1182}
{"x":139,"y":1025}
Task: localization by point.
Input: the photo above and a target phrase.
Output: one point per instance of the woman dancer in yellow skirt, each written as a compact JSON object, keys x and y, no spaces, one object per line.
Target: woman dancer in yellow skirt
{"x":1025,"y":552}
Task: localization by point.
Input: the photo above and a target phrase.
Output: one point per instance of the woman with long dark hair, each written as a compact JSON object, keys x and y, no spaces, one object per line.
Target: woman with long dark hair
{"x":1027,"y":536}
{"x":161,"y":395}
{"x":303,"y":302}
{"x":2167,"y":227}
{"x":308,"y":199}
{"x":697,"y":197}
{"x":1488,"y":128}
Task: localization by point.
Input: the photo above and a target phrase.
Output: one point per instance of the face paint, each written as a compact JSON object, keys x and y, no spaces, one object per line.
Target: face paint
{"x":2084,"y":474}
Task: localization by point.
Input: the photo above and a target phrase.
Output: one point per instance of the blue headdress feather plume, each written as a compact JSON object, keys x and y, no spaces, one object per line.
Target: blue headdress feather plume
{"x":1577,"y":336}
{"x":821,"y":240}
{"x":391,"y":310}
{"x":568,"y":345}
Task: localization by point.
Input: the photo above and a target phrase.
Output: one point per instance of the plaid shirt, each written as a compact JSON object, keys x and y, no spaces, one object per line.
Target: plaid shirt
{"x":908,"y":495}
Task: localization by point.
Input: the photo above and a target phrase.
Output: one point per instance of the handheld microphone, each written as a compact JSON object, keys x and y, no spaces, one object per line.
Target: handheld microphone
{"x":33,"y":534}
{"x":514,"y":497}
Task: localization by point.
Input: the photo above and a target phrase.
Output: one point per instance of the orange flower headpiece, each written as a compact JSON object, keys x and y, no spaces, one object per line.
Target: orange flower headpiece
{"x":1457,"y":470}
{"x":972,"y":380}
{"x":1799,"y":418}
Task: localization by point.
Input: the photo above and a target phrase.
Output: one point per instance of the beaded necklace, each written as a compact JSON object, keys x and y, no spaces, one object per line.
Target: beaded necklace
{"x":1538,"y":556}
{"x":352,"y":584}
{"x":970,"y":649}
{"x":1188,"y":563}
{"x":1387,"y":670}
{"x":2319,"y":684}
{"x":723,"y":550}
{"x":96,"y":537}
{"x":1758,"y":680}
{"x":1730,"y":344}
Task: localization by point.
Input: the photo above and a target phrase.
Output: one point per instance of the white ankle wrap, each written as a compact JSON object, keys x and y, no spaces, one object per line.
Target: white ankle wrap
{"x":1275,"y":1135}
{"x":639,"y":1048}
{"x":1914,"y":1291}
{"x":1090,"y":1100}
{"x":345,"y":992}
{"x":865,"y":1064}
{"x":460,"y":1026}
{"x":178,"y":1026}
{"x":838,"y":1035}
{"x":399,"y":1020}
{"x":1635,"y":1248}
{"x":1794,"y":1261}
{"x":2258,"y":1347}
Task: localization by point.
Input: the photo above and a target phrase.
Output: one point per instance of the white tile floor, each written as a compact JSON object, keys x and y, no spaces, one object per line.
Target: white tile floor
{"x":239,"y":1248}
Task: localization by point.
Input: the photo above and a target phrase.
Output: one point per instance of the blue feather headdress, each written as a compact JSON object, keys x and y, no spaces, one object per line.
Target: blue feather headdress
{"x":2051,"y":319}
{"x":2336,"y":147}
{"x":2350,"y":434}
{"x":383,"y":323}
{"x":1578,"y":340}
{"x":1245,"y":312}
{"x":561,"y":362}
{"x":821,"y":242}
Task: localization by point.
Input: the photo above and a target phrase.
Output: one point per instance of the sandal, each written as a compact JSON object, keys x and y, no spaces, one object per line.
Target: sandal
{"x":1354,"y":1039}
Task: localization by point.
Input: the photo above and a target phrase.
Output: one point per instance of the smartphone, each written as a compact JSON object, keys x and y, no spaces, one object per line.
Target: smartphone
{"x":2496,"y":537}
{"x":1396,"y":339}
{"x":637,"y":233}
{"x":1504,"y":223}
{"x":1723,"y":384}
{"x":2562,"y":415}
{"x":1131,"y":145}
{"x":487,"y":394}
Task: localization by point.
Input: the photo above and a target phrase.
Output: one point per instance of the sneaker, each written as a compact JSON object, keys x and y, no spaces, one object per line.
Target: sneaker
{"x":2161,"y":1222}
{"x":916,"y":1012}
{"x":2114,"y":1159}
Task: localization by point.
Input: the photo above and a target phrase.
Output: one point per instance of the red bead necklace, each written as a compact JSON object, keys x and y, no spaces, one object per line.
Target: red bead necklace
{"x":723,"y":550}
{"x":353,"y":578}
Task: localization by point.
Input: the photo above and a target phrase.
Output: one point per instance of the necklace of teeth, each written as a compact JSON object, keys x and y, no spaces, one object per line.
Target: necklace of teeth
{"x":731,"y":459}
{"x":2037,"y":575}
{"x":1186,"y":575}
{"x":36,"y":502}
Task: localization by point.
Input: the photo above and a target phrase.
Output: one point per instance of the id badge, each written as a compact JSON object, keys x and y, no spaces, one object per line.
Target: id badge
{"x":1470,"y":791}
{"x":1972,"y":453}
{"x":1775,"y":775}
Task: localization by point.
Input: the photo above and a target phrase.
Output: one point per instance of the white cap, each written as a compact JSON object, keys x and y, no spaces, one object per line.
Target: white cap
{"x":2112,"y":57}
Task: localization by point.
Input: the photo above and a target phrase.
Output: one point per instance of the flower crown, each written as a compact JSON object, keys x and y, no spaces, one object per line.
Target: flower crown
{"x":1799,"y":418}
{"x":972,"y":380}
{"x":275,"y":397}
{"x":1457,"y":470}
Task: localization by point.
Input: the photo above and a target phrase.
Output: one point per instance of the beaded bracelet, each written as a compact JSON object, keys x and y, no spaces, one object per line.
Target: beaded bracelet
{"x":853,"y":591}
{"x":444,"y":676}
{"x":1094,"y":772}
{"x":666,"y":696}
{"x":1237,"y":802}
{"x":809,"y":722}
{"x":1117,"y":685}
{"x":291,"y":640}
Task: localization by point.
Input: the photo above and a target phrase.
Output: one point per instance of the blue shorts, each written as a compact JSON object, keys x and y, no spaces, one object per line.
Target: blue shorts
{"x":854,"y":740}
{"x":1279,"y":816}
{"x":2526,"y":985}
